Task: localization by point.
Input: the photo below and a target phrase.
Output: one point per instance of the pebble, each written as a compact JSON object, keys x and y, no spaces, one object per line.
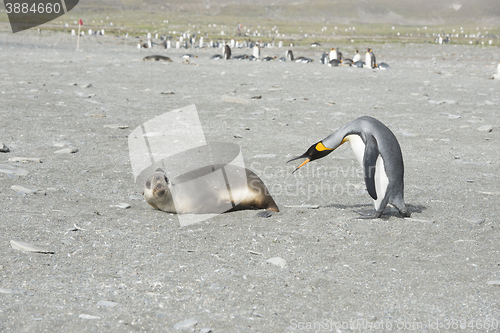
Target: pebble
{"x":136,"y":197}
{"x":59,"y":144}
{"x":493,"y":283}
{"x":113,"y":126}
{"x":237,"y":136}
{"x":8,"y":291}
{"x":7,"y":169}
{"x":25,"y":247}
{"x":25,"y":159}
{"x":418,"y":220}
{"x":236,"y":100}
{"x":122,"y":205}
{"x":206,"y":330}
{"x":4,"y":148}
{"x":265,"y":156}
{"x":87,"y":85}
{"x":277,"y":261}
{"x":167,"y":93}
{"x":107,"y":303}
{"x":485,"y":128}
{"x":186,"y":323}
{"x":303,"y":206}
{"x":86,"y":316}
{"x":25,"y":190}
{"x":66,"y":151}
{"x":55,"y":74}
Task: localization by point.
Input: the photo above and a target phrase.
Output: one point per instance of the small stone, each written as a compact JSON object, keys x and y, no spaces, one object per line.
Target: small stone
{"x":485,"y":128}
{"x":66,"y":151}
{"x":114,"y":126}
{"x":167,"y":93}
{"x":303,"y":206}
{"x":4,"y":148}
{"x":123,"y":205}
{"x":8,"y":291}
{"x":59,"y":144}
{"x":206,"y":330}
{"x":25,"y":190}
{"x":25,"y":159}
{"x":97,"y":115}
{"x":72,"y":84}
{"x":87,"y":85}
{"x":236,"y":100}
{"x":264,"y":156}
{"x":55,"y":74}
{"x":107,"y":303}
{"x":136,"y":197}
{"x":7,"y":169}
{"x":86,"y":316}
{"x":237,"y":136}
{"x":25,"y":247}
{"x":186,"y":323}
{"x":277,"y":261}
{"x":493,"y":283}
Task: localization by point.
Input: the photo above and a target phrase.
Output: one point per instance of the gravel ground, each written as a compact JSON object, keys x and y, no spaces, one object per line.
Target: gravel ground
{"x":113,"y":269}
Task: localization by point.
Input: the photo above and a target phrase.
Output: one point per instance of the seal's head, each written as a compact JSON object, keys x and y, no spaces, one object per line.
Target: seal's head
{"x":156,"y":191}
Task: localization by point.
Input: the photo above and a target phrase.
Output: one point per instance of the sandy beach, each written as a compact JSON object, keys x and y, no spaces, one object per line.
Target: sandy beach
{"x":114,"y":269}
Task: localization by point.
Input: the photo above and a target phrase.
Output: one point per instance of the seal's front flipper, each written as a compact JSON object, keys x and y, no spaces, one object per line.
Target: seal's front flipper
{"x":265,"y":213}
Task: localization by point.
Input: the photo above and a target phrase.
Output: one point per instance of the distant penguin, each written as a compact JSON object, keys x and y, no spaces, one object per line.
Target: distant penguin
{"x":377,"y":150}
{"x":339,"y":55}
{"x":334,"y":63}
{"x":324,"y":58}
{"x":383,"y":66}
{"x":368,"y":59}
{"x":187,"y":56}
{"x":268,"y":58}
{"x":333,"y":54}
{"x":216,"y":57}
{"x":283,"y":59}
{"x":358,"y":64}
{"x":346,"y":62}
{"x":256,"y":51}
{"x":373,"y":63}
{"x":357,"y":56}
{"x":496,"y":76}
{"x":226,"y":53}
{"x":177,"y":44}
{"x":289,"y":55}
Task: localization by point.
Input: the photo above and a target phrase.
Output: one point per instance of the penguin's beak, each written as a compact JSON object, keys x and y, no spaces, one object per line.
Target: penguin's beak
{"x":303,"y":163}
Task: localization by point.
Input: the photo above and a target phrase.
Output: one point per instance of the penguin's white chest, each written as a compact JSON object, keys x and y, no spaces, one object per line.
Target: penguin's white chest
{"x":381,"y":179}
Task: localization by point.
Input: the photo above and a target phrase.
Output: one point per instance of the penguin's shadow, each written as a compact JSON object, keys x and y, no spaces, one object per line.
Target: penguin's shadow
{"x":388,"y":212}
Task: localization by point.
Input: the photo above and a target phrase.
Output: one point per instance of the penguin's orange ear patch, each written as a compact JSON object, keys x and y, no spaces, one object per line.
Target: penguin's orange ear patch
{"x":321,"y":147}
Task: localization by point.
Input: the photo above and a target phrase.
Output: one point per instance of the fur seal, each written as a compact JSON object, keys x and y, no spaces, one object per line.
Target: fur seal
{"x":181,"y":195}
{"x":157,"y":58}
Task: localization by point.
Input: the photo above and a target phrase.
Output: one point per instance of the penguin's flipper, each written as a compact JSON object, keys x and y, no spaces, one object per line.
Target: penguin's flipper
{"x":369,"y":161}
{"x":265,"y":213}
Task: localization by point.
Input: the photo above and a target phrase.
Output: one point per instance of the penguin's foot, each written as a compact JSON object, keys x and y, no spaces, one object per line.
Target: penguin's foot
{"x":368,"y":214}
{"x":265,"y":213}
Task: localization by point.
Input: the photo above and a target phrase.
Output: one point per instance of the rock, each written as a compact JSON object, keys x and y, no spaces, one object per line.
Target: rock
{"x":9,"y":291}
{"x":186,"y":323}
{"x":113,"y":126}
{"x":277,"y":261}
{"x":236,"y":100}
{"x":122,"y":205}
{"x":167,"y":93}
{"x":107,"y":303}
{"x":7,"y":169}
{"x":86,"y":316}
{"x":25,"y":190}
{"x":485,"y":128}
{"x":264,"y":156}
{"x":25,"y":159}
{"x":303,"y":206}
{"x":66,"y":151}
{"x":4,"y":148}
{"x":493,"y":283}
{"x":87,"y":85}
{"x":205,"y":330}
{"x":25,"y":247}
{"x":59,"y":144}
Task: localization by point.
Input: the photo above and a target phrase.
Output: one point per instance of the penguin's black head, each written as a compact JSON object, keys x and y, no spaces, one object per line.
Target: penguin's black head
{"x":316,"y":151}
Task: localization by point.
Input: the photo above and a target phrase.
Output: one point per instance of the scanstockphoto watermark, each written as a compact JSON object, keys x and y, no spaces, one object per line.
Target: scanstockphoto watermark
{"x":360,"y":324}
{"x":314,"y":181}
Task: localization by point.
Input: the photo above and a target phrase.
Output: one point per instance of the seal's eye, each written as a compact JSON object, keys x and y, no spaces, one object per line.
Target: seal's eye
{"x":157,"y":177}
{"x":148,"y":184}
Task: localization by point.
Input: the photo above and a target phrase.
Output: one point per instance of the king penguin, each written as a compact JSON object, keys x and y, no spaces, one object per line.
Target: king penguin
{"x":378,"y":151}
{"x":226,"y":53}
{"x":357,"y":56}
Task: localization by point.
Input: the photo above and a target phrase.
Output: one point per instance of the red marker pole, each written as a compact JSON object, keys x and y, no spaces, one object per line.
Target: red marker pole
{"x":80,"y":23}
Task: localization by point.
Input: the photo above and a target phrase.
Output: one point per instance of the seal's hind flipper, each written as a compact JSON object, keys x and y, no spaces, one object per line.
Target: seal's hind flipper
{"x":265,"y":213}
